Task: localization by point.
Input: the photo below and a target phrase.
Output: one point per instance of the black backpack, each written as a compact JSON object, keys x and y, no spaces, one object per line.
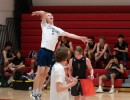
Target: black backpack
{"x":4,"y":81}
{"x":18,"y":75}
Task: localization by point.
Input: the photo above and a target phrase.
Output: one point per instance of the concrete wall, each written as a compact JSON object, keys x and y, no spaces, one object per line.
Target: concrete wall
{"x":79,"y":2}
{"x":6,"y":10}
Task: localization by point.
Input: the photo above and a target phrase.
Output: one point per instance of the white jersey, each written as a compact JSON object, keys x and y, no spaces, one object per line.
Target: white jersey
{"x":50,"y":34}
{"x":58,"y":75}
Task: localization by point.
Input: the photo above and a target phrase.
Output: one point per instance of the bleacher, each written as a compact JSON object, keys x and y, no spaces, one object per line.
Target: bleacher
{"x":107,"y":21}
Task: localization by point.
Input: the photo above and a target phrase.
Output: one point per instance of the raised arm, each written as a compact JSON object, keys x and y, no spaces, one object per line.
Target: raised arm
{"x":42,"y":15}
{"x":70,"y":35}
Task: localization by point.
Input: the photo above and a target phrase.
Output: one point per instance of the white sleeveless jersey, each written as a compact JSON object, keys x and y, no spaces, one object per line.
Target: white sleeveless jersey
{"x":50,"y":34}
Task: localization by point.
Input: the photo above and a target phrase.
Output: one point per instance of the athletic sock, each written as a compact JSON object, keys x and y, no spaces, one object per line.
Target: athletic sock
{"x":112,"y":86}
{"x":100,"y":87}
{"x":34,"y":93}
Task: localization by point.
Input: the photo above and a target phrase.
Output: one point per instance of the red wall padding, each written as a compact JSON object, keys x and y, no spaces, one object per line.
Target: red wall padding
{"x":85,"y":32}
{"x":80,"y":24}
{"x":83,"y":9}
{"x":82,"y":17}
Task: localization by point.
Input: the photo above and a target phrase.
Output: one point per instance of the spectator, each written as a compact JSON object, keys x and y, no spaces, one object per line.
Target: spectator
{"x":90,"y":49}
{"x":7,"y":54}
{"x":68,"y":44}
{"x":121,"y":49}
{"x":115,"y":71}
{"x":17,"y":63}
{"x":17,"y":66}
{"x":33,"y":66}
{"x":103,"y":51}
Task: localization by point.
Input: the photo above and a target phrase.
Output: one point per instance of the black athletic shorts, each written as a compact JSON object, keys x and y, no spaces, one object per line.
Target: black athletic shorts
{"x":109,"y":77}
{"x":77,"y":89}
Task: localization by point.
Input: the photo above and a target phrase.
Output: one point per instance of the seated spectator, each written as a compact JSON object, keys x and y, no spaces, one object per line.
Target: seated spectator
{"x":68,"y":44}
{"x":17,"y":63}
{"x":90,"y":49}
{"x":33,"y":66}
{"x":103,"y":51}
{"x":115,"y":71}
{"x":7,"y":54}
{"x":121,"y":49}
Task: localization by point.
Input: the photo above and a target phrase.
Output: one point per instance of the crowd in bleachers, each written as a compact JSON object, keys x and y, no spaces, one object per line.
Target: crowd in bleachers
{"x":14,"y":63}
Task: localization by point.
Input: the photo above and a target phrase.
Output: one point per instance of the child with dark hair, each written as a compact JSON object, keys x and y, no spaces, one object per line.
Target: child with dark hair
{"x":90,"y":49}
{"x":115,"y":71}
{"x":121,"y":49}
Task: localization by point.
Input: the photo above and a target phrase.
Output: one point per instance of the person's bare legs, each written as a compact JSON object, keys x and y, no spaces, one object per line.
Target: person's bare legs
{"x":112,"y":82}
{"x":76,"y":97}
{"x":90,"y":55}
{"x":20,"y":67}
{"x":33,"y":62}
{"x":39,"y":76}
{"x":42,"y":81}
{"x":6,"y":63}
{"x":103,"y":77}
{"x":96,"y":56}
{"x":112,"y":78}
{"x":83,"y":98}
{"x":106,"y":55}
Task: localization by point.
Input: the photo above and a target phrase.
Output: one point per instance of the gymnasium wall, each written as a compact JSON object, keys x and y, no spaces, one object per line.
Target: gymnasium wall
{"x":6,"y":10}
{"x":79,"y":2}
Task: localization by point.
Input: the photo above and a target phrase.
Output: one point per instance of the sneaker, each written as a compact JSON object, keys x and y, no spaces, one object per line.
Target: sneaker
{"x":38,"y":97}
{"x":10,"y":80}
{"x":30,"y":73}
{"x":99,"y":90}
{"x":111,"y":91}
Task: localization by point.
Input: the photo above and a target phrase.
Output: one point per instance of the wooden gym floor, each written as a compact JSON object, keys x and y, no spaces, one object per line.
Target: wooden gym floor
{"x":10,"y":94}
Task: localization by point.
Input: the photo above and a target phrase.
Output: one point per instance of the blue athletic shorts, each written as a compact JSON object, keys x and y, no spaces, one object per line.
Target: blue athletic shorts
{"x":44,"y":57}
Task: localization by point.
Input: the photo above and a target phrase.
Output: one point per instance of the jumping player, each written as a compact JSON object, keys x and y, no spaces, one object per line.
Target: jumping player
{"x":50,"y":34}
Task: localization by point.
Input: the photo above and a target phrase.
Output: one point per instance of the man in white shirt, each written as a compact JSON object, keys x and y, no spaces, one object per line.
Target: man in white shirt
{"x":59,"y":85}
{"x":50,"y":34}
